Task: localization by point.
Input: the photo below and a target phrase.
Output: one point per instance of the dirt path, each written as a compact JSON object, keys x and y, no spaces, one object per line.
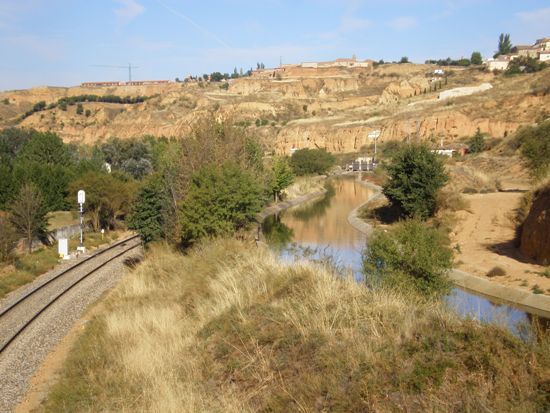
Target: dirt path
{"x":485,"y":236}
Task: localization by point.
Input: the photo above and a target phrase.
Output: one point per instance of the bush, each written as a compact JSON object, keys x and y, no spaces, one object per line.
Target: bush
{"x":221,"y":200}
{"x":525,"y":65}
{"x":496,"y":272}
{"x":411,"y":256}
{"x":415,"y":177}
{"x":311,"y":161}
{"x":534,"y":143}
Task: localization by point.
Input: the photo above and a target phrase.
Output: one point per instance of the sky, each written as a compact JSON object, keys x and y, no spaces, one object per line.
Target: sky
{"x":66,"y":42}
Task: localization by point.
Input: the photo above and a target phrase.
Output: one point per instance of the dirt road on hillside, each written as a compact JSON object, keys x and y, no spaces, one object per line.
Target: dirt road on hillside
{"x":485,"y":236}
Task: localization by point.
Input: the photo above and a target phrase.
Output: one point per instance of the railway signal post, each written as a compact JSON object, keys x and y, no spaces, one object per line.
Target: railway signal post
{"x":81,"y":199}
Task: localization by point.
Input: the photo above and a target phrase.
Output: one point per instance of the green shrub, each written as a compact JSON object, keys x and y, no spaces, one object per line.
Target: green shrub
{"x":221,"y":200}
{"x":534,"y":143}
{"x":525,"y":65}
{"x":415,"y":177}
{"x":311,"y":161}
{"x":411,"y":256}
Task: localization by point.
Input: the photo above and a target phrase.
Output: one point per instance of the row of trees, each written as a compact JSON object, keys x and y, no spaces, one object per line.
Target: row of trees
{"x":64,"y":102}
{"x":475,"y":59}
{"x":212,"y":182}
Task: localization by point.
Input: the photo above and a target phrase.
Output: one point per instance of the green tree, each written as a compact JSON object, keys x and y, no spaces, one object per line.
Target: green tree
{"x":410,"y":256}
{"x":220,"y":200}
{"x":108,"y":197}
{"x":12,"y":141}
{"x":476,"y":59}
{"x":146,"y":215}
{"x":476,"y":143}
{"x":504,"y":44}
{"x":28,"y":214}
{"x":311,"y":161}
{"x":282,"y":176}
{"x":53,"y":181}
{"x":404,"y":59}
{"x":79,"y":109}
{"x":45,"y":148}
{"x":415,"y":177}
{"x":88,"y":113}
{"x":7,"y":185}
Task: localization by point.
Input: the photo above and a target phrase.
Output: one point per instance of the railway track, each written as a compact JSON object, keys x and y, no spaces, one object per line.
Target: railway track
{"x":17,"y":316}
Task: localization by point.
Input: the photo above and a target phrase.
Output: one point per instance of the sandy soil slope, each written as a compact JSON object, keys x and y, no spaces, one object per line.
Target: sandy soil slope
{"x":485,"y":236}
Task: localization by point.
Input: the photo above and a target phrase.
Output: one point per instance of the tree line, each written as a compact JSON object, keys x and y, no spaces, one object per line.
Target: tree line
{"x":211,"y":182}
{"x":63,"y":102}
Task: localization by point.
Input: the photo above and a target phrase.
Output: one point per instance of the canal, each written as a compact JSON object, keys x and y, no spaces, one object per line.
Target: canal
{"x":319,"y":230}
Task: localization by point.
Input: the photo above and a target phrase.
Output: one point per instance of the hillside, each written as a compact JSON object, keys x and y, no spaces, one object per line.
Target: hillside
{"x":331,"y":108}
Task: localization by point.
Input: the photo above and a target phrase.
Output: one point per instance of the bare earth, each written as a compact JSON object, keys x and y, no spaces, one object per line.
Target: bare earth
{"x":485,"y":236}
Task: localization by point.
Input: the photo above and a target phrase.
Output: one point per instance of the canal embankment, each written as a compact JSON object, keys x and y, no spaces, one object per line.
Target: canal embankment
{"x":538,"y":304}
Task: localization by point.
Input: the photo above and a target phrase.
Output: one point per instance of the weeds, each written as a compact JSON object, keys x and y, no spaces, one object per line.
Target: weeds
{"x":229,"y":328}
{"x":536,"y":289}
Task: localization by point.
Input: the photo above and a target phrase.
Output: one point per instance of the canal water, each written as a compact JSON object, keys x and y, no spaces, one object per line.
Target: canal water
{"x":319,"y":230}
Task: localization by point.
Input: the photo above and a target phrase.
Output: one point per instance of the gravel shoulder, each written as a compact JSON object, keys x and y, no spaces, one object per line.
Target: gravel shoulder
{"x":22,"y":358}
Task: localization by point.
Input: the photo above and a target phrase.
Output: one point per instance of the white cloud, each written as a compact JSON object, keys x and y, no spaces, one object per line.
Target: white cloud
{"x":403,"y":23}
{"x":129,"y":10}
{"x":536,"y":17}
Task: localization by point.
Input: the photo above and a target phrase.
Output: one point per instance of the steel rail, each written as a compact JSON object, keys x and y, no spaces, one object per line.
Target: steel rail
{"x":72,"y":267}
{"x":5,"y":345}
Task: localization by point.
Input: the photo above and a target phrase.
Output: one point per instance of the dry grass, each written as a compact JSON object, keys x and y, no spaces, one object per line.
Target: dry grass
{"x":451,"y":200}
{"x":29,"y":266}
{"x":303,"y":185}
{"x":229,"y":328}
{"x":59,"y":219}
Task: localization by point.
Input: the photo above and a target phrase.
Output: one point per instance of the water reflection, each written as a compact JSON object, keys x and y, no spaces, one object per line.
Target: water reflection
{"x":319,"y":230}
{"x":277,"y":234}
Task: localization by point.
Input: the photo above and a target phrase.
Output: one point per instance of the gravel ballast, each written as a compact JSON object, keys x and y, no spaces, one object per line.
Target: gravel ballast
{"x":24,"y":355}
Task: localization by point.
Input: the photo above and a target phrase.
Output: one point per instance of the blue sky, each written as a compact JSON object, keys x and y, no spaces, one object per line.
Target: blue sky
{"x":58,"y":42}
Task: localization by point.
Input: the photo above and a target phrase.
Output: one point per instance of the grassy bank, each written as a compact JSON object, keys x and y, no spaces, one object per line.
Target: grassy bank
{"x":229,"y":328}
{"x":29,"y":266}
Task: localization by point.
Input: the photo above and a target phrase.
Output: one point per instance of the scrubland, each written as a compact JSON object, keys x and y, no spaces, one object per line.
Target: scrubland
{"x":228,"y":327}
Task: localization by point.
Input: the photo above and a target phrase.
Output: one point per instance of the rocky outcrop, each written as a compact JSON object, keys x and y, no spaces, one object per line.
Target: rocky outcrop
{"x":535,"y":234}
{"x":342,"y":137}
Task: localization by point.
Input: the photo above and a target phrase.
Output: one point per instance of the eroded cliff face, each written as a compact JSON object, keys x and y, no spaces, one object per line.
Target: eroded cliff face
{"x":341,"y":137}
{"x":331,"y":108}
{"x":535,"y":235}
